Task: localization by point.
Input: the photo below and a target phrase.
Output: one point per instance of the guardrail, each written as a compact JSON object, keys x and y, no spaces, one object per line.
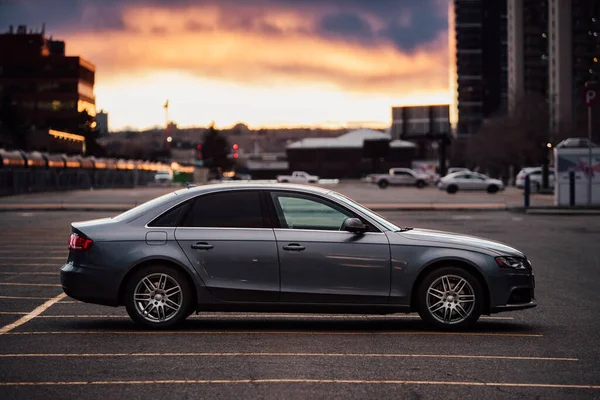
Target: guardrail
{"x":25,"y":172}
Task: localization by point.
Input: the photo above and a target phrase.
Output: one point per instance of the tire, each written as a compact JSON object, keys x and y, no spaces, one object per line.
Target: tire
{"x":284,"y":181}
{"x":312,"y":181}
{"x":428,"y":301}
{"x":452,"y":189}
{"x":421,"y":184}
{"x":383,"y":184}
{"x":537,"y":187}
{"x":171,"y":277}
{"x":492,"y":189}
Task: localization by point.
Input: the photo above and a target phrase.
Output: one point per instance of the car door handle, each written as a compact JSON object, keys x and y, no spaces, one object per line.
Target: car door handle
{"x":202,"y":246}
{"x":294,"y":247}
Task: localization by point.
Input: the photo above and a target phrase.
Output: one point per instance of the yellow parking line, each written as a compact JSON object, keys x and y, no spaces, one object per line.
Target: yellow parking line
{"x":335,"y":355}
{"x":55,"y":265}
{"x":12,"y":313}
{"x":24,"y":298}
{"x":28,"y":284}
{"x":37,"y":311}
{"x":305,"y":381}
{"x":407,"y":333}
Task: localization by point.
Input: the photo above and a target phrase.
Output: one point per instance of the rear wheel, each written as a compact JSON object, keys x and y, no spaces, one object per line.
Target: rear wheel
{"x":383,"y":183}
{"x":421,"y":184}
{"x":284,"y":181}
{"x":452,"y":189}
{"x":492,"y":189}
{"x":450,"y":298}
{"x":159,"y":297}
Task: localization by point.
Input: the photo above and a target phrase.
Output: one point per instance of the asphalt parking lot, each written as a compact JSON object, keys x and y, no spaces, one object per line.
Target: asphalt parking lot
{"x":61,"y":348}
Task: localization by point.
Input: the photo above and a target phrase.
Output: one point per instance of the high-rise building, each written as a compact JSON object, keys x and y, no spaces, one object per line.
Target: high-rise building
{"x":479,"y":47}
{"x":46,"y":87}
{"x":102,"y":122}
{"x":528,"y":50}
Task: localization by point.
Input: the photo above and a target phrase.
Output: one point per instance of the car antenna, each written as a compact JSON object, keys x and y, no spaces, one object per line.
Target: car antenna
{"x":189,"y":185}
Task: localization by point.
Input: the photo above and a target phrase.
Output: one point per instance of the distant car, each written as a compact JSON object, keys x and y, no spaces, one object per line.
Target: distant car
{"x":451,"y":170}
{"x":535,"y":178}
{"x":164,"y":176}
{"x":286,"y":248}
{"x":399,"y":176}
{"x":469,"y":181}
{"x":298,"y":177}
{"x":576,"y":143}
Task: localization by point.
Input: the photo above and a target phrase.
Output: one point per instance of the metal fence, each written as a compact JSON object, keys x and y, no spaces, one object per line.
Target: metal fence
{"x":23,"y":180}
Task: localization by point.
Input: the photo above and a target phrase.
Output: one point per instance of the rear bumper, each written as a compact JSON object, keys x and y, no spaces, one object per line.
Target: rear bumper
{"x":89,"y":285}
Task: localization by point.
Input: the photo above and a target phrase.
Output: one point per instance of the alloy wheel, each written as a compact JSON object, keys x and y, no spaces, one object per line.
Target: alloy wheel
{"x":450,"y":299}
{"x":158,"y":297}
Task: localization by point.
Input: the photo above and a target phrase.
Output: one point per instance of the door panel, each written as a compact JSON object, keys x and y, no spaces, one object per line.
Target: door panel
{"x":321,"y":264}
{"x":235,"y":264}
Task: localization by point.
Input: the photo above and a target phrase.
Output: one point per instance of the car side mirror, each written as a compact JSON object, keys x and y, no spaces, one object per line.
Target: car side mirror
{"x":354,"y":225}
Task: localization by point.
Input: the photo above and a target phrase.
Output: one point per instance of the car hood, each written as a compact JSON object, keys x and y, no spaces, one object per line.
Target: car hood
{"x":455,"y":239}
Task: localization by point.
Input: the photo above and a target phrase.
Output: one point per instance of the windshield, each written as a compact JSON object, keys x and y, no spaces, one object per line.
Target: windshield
{"x":371,"y":214}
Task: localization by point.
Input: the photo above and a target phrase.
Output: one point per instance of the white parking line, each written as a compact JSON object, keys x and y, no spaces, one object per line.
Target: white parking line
{"x":28,"y":284}
{"x":4,"y":258}
{"x":305,"y":381}
{"x":37,"y":311}
{"x":55,"y":265}
{"x":24,"y":298}
{"x":333,"y":355}
{"x":29,"y":273}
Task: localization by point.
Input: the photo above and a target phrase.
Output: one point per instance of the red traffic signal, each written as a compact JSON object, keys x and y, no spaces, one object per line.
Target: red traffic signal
{"x":199,"y":147}
{"x":235,"y":146}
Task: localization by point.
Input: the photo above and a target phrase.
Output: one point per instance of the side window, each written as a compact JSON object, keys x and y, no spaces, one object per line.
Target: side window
{"x":233,"y":209}
{"x":305,"y":212}
{"x":463,"y":177}
{"x":172,"y":217}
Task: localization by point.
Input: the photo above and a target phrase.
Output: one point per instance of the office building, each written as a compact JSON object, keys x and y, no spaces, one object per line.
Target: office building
{"x":479,"y":49}
{"x":47,"y":88}
{"x":102,"y":122}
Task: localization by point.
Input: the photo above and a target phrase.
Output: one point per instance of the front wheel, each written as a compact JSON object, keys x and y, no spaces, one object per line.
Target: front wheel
{"x":452,"y":189}
{"x":421,"y":184}
{"x":383,"y":184}
{"x":492,"y":189}
{"x":159,"y":297}
{"x":450,"y":298}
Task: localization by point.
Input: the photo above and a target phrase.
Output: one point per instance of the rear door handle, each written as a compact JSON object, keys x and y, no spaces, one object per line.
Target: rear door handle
{"x":294,"y":247}
{"x":202,"y":246}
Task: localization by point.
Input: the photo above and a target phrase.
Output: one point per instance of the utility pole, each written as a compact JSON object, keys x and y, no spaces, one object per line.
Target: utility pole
{"x":591,"y":95}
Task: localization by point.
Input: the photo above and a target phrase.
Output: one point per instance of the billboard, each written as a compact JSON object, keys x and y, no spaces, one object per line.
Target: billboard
{"x":416,"y":122}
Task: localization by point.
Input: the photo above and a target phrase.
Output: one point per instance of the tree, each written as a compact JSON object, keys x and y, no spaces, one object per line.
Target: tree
{"x":515,"y":139}
{"x":215,"y":151}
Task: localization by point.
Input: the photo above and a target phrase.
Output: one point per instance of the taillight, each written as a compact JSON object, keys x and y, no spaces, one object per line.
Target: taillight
{"x":79,"y":243}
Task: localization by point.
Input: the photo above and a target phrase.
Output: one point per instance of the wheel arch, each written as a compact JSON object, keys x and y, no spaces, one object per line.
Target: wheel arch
{"x":450,"y":262}
{"x":151,"y":262}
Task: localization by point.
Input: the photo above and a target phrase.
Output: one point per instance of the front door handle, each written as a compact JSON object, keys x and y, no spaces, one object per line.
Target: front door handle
{"x":294,"y":247}
{"x":202,"y":246}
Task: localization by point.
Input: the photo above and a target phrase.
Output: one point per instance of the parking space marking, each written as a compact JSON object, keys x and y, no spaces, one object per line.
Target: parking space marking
{"x":29,"y":273}
{"x":225,"y":316}
{"x":24,"y":298}
{"x":407,"y":333}
{"x":30,"y":257}
{"x":12,"y":313}
{"x":333,"y":355}
{"x":54,"y":265}
{"x":37,"y":311}
{"x":29,"y":284}
{"x":305,"y":381}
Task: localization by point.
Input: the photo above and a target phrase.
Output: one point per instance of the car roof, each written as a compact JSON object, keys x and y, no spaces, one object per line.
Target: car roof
{"x":218,"y":187}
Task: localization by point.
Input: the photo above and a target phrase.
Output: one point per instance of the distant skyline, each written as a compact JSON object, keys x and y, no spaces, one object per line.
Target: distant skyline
{"x":265,"y":63}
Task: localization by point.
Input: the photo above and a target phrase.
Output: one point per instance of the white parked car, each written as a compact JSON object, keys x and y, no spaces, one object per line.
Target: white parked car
{"x":298,"y":177}
{"x":535,"y":178}
{"x":163,"y":176}
{"x":399,"y":176}
{"x":452,"y":183}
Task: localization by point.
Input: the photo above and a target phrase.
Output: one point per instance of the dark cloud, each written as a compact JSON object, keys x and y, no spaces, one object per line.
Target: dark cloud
{"x":406,"y":23}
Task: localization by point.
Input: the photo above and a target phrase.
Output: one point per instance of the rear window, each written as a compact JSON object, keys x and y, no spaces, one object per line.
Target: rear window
{"x":145,"y":207}
{"x":171,"y":218}
{"x":234,"y":209}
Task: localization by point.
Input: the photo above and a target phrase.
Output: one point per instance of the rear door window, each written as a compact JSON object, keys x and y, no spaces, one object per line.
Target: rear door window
{"x":231,"y":209}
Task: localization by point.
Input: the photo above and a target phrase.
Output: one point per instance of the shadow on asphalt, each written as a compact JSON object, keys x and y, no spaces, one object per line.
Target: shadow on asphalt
{"x":222,"y":324}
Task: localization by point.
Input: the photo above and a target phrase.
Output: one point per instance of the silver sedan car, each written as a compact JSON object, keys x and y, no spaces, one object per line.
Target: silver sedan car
{"x":286,"y":248}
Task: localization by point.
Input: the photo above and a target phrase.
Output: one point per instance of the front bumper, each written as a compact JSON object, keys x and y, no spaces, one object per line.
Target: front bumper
{"x":89,"y":285}
{"x":512,"y":291}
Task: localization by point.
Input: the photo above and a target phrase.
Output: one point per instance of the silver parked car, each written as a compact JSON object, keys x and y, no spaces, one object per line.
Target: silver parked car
{"x":286,"y":248}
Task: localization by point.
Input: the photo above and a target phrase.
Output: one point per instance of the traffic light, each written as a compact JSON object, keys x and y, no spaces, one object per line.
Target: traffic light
{"x":199,"y":152}
{"x":235,"y":150}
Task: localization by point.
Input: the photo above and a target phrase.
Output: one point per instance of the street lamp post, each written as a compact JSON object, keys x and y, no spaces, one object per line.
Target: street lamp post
{"x":590,"y":98}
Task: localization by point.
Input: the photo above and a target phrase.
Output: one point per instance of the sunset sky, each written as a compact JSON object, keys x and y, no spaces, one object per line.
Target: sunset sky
{"x":267,"y":63}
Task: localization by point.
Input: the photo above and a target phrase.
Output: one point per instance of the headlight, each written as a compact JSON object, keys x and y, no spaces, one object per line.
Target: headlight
{"x":512,"y":262}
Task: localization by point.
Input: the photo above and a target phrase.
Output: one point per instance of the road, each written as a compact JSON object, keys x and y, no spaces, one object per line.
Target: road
{"x":75,"y":350}
{"x":364,"y":193}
